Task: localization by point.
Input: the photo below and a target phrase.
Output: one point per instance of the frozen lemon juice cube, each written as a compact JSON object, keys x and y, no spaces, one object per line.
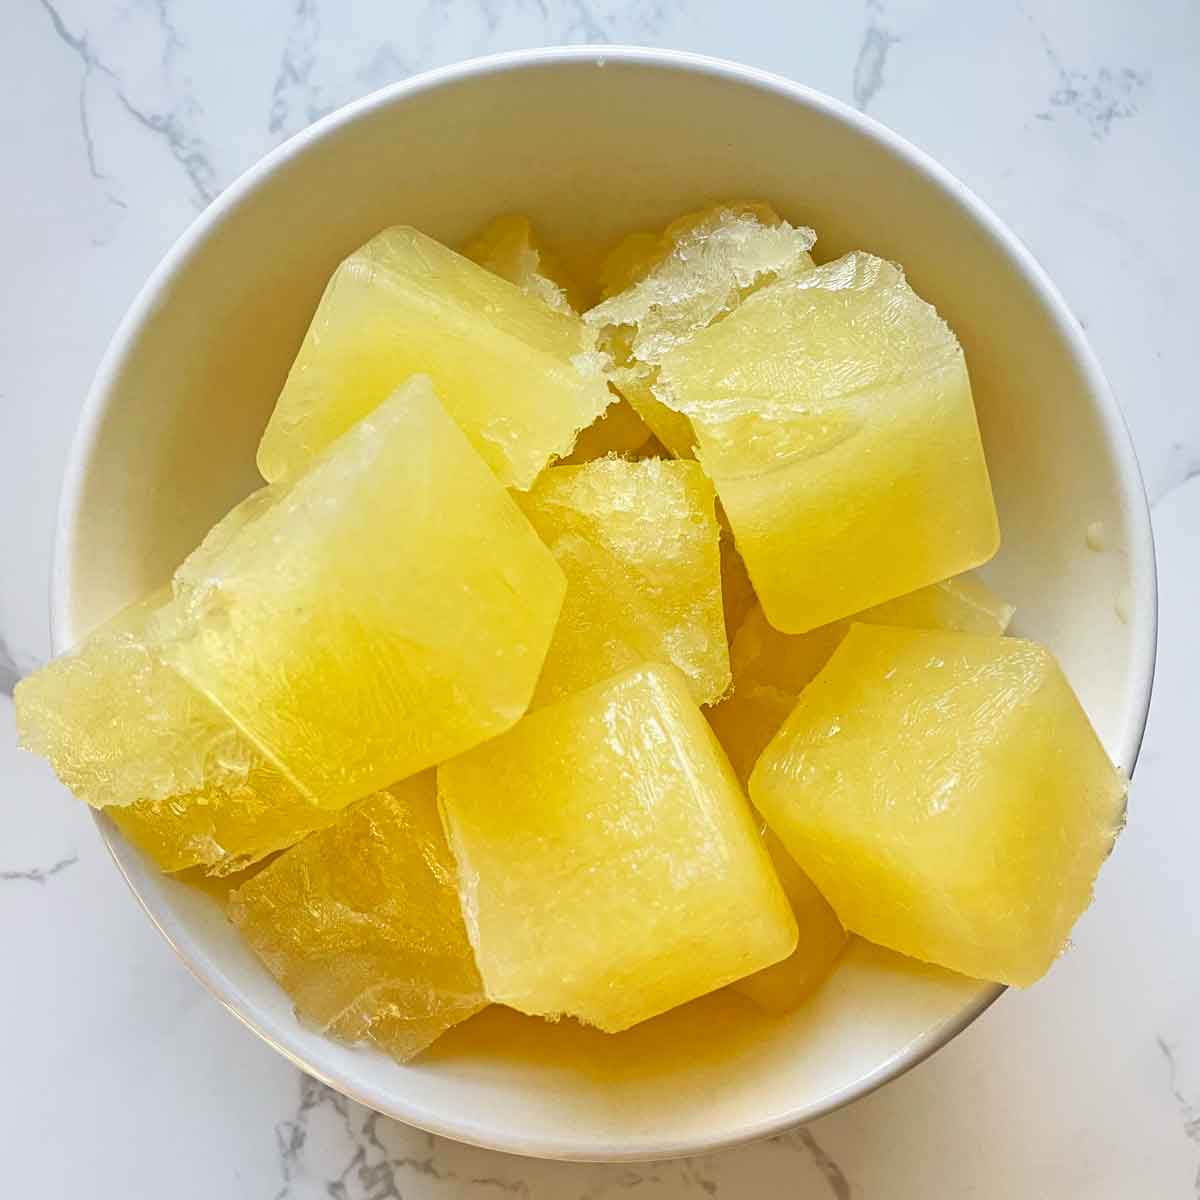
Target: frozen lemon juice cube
{"x":361,"y":925}
{"x":610,"y":866}
{"x":392,"y":608}
{"x":508,"y":247}
{"x":639,"y":545}
{"x":618,"y":431}
{"x":520,"y":378}
{"x":126,"y":733}
{"x":834,"y":414}
{"x":779,"y":988}
{"x":947,"y":795}
{"x":675,"y":285}
{"x":789,"y":660}
{"x":705,"y":263}
{"x":770,"y":669}
{"x":737,"y":592}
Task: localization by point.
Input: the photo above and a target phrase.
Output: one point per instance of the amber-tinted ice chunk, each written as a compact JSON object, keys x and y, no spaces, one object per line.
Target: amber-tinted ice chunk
{"x":391,"y":609}
{"x":520,"y":378}
{"x":609,"y":864}
{"x":639,"y":545}
{"x":361,"y":925}
{"x":947,"y":795}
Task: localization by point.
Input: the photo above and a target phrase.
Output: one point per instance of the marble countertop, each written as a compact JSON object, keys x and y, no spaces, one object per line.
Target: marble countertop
{"x":1076,"y":120}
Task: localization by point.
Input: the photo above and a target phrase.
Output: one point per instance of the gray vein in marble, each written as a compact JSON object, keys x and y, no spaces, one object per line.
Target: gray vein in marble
{"x":494,"y":11}
{"x":13,"y":666}
{"x":1183,"y":465}
{"x":301,"y":93}
{"x":387,"y":65}
{"x":873,"y":52}
{"x":839,"y":1185}
{"x":291,"y":1135}
{"x":90,"y":63}
{"x":183,"y":148}
{"x":187,"y":150}
{"x":381,"y":1159}
{"x":1098,"y":98}
{"x":372,"y":1172}
{"x":173,"y":40}
{"x":692,"y":1174}
{"x":40,"y":875}
{"x":625,"y":1179}
{"x":295,"y":71}
{"x":85,"y":127}
{"x":803,"y":1141}
{"x":583,"y":25}
{"x":8,"y":671}
{"x":1189,"y":1113}
{"x":383,"y":1172}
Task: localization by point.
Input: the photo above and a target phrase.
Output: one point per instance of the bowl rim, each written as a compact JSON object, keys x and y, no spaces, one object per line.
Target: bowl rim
{"x":192,"y":242}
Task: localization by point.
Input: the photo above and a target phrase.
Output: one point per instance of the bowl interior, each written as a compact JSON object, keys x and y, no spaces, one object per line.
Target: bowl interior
{"x":591,"y":146}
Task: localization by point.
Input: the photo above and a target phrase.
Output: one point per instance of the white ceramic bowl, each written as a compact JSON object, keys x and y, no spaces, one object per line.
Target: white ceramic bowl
{"x":592,"y":143}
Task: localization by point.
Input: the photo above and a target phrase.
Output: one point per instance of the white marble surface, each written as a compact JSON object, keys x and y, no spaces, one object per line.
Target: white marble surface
{"x":120,"y":120}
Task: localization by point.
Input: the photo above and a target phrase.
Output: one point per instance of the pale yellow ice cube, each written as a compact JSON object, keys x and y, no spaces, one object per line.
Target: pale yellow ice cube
{"x":947,"y":795}
{"x":694,"y":274}
{"x":127,"y":734}
{"x":834,"y":414}
{"x":609,"y":864}
{"x":640,"y":547}
{"x":519,"y":378}
{"x":392,"y":608}
{"x":508,"y":247}
{"x":780,"y":988}
{"x":770,"y":669}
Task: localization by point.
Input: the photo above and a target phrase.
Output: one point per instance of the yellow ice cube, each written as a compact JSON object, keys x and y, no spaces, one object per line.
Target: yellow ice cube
{"x":770,"y":669}
{"x":628,"y":261}
{"x":673,"y":286}
{"x":947,"y":795}
{"x":963,"y":604}
{"x":652,"y":449}
{"x":637,"y":254}
{"x":639,"y":545}
{"x":392,"y":607}
{"x":509,"y":248}
{"x":737,"y":592}
{"x":518,"y":377}
{"x":361,"y":925}
{"x":609,"y":864}
{"x":618,"y":431}
{"x":747,"y":719}
{"x":671,"y":428}
{"x":779,"y":988}
{"x":126,"y":733}
{"x":834,"y":414}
